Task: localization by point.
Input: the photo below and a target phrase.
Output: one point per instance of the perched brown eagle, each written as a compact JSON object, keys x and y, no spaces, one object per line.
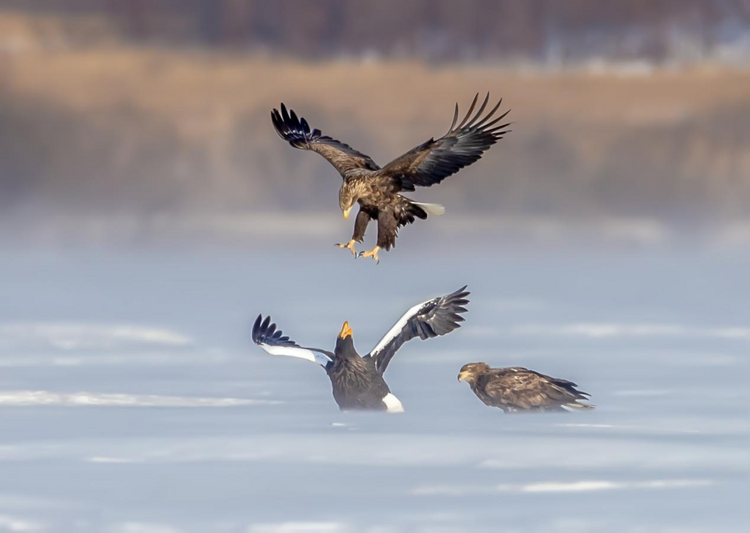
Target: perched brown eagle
{"x":378,"y":190}
{"x":358,"y":381}
{"x":517,"y":389}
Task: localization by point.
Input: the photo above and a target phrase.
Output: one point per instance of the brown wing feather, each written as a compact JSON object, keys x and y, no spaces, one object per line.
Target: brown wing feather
{"x":519,"y":388}
{"x":433,"y":161}
{"x":296,"y":131}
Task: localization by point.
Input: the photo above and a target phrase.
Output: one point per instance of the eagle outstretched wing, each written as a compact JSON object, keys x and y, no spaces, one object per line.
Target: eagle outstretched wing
{"x":433,"y":161}
{"x":272,"y":340}
{"x":432,"y":318}
{"x":296,"y":131}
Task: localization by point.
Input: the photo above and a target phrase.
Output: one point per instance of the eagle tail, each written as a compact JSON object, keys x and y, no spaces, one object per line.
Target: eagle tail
{"x":431,"y":209}
{"x":575,"y":406}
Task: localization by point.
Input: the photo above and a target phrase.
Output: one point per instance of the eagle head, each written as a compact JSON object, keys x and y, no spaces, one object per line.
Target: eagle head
{"x":470,"y":371}
{"x":347,"y":199}
{"x":345,"y":342}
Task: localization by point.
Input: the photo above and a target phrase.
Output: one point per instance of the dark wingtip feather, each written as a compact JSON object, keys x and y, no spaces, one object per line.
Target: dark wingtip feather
{"x":267,"y":332}
{"x":293,"y":128}
{"x":454,"y":305}
{"x":486,"y":127}
{"x":259,"y":328}
{"x":479,"y":112}
{"x":469,"y":112}
{"x":455,"y":118}
{"x":256,"y":328}
{"x":483,"y":123}
{"x":278,"y":125}
{"x":460,"y":294}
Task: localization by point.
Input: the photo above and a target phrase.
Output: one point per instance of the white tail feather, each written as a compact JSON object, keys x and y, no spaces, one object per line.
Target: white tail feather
{"x":575,"y":406}
{"x":432,"y":209}
{"x":392,"y":404}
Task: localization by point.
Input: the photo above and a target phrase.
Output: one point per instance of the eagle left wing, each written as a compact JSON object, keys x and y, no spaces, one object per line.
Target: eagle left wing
{"x":296,"y":131}
{"x":432,"y":318}
{"x":272,"y":340}
{"x":433,"y":161}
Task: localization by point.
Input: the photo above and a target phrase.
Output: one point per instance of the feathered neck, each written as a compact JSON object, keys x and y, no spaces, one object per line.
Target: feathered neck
{"x":345,"y":348}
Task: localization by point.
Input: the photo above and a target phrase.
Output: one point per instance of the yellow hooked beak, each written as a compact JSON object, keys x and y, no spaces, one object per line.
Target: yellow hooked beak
{"x":463,"y":375}
{"x":346,"y":331}
{"x":346,"y":213}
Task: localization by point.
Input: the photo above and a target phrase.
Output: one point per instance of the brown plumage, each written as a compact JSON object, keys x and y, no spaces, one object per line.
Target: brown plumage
{"x":378,"y":190}
{"x":518,"y":389}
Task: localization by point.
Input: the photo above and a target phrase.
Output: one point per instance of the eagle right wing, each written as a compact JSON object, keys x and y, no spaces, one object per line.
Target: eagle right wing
{"x":433,"y":161}
{"x":296,"y":131}
{"x":273,"y":341}
{"x":432,"y":318}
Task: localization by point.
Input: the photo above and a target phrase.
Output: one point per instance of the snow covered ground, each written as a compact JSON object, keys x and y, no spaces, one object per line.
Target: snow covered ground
{"x":132,"y":401}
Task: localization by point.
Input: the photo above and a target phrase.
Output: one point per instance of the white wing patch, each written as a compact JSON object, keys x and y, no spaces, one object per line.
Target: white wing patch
{"x":397,"y":328}
{"x":296,"y":351}
{"x":392,"y":404}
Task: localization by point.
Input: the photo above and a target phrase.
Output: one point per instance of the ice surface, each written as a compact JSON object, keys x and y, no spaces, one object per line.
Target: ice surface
{"x":132,"y":400}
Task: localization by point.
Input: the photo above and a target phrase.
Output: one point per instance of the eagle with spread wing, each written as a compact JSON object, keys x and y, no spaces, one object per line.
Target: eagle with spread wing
{"x":358,"y":381}
{"x":518,"y":390}
{"x":378,"y":190}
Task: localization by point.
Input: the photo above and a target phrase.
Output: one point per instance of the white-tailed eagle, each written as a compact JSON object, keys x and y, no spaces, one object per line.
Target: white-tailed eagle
{"x":517,"y":389}
{"x":378,"y":190}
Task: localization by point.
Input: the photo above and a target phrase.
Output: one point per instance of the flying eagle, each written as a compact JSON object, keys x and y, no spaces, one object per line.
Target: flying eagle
{"x":358,"y":381}
{"x":378,"y":190}
{"x":518,"y":389}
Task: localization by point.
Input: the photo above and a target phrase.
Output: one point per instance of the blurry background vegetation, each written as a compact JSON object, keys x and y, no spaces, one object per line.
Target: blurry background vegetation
{"x":120,"y":117}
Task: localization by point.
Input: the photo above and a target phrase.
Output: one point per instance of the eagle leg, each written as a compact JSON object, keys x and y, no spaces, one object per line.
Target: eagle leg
{"x":372,"y":253}
{"x":349,"y":246}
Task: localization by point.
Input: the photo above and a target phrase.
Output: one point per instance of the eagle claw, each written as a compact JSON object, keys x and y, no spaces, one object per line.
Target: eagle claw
{"x":372,"y":253}
{"x":349,"y":246}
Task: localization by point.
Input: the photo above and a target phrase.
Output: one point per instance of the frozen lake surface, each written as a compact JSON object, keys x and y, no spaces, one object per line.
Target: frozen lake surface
{"x":132,"y":400}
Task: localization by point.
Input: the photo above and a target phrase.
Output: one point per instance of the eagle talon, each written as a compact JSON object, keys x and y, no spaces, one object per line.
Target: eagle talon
{"x":372,"y":253}
{"x":349,"y":246}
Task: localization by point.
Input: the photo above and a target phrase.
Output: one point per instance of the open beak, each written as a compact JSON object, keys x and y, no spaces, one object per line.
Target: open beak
{"x":346,"y":331}
{"x":346,"y":213}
